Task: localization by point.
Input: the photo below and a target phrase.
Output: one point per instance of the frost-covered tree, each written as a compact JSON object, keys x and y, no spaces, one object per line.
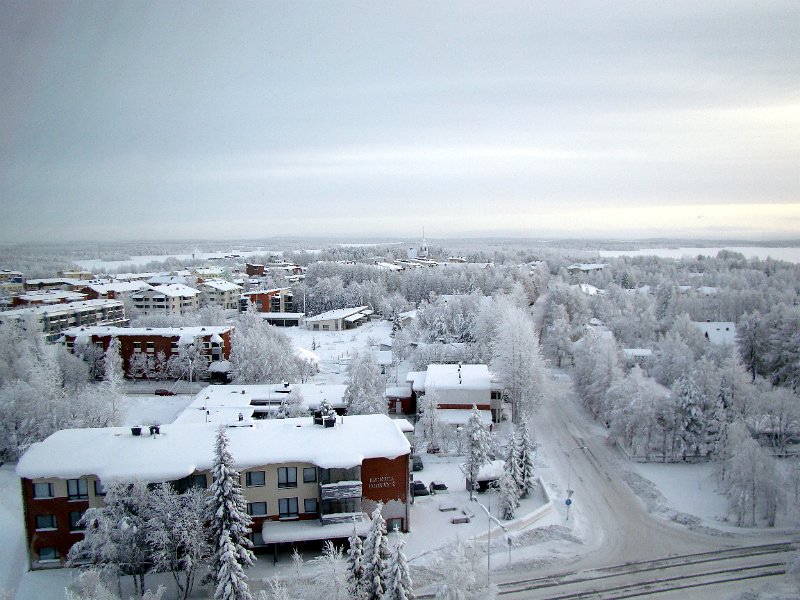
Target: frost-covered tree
{"x":458,"y":579}
{"x":292,"y":405}
{"x":365,"y":393}
{"x":478,"y":445}
{"x":229,"y":526}
{"x":355,"y":566}
{"x":92,"y":584}
{"x":113,"y":373}
{"x":398,"y":576}
{"x":176,"y":533}
{"x":512,"y":463}
{"x":509,"y":495}
{"x":376,"y":557}
{"x":526,"y":452}
{"x":691,"y":420}
{"x":517,"y":361}
{"x":260,"y":353}
{"x":330,"y":579}
{"x":115,"y":534}
{"x":430,"y":426}
{"x":556,"y":341}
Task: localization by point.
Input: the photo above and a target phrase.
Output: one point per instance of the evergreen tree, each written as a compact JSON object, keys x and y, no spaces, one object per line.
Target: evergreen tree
{"x":398,"y":577}
{"x":355,"y":566}
{"x":526,"y":452}
{"x":688,"y":401}
{"x":376,"y":557}
{"x":477,"y":448}
{"x":512,"y":465}
{"x":229,"y":526}
{"x":509,"y":495}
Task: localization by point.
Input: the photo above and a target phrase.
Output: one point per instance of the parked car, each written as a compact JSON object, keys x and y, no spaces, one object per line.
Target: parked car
{"x":164,"y":392}
{"x":419,"y":489}
{"x":416,"y":462}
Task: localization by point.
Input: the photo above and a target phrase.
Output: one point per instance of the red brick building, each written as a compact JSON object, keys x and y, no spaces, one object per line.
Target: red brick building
{"x":216,"y":341}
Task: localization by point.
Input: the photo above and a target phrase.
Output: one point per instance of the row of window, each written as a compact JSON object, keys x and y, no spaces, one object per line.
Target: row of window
{"x":45,"y":522}
{"x":287,"y":508}
{"x":287,"y":477}
{"x":77,"y":489}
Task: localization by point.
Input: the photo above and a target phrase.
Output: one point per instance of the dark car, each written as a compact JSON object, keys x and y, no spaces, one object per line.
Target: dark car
{"x":438,"y":487}
{"x":419,"y":489}
{"x":164,"y":392}
{"x":416,"y":462}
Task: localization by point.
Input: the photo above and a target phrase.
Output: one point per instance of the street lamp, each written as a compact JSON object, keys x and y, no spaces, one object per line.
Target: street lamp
{"x":569,"y":477}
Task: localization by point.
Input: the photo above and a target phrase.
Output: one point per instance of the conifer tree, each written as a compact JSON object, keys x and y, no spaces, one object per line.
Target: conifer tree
{"x":509,"y":495}
{"x":376,"y":557}
{"x":229,"y":527}
{"x":398,"y":577}
{"x":478,"y":448}
{"x":355,"y":566}
{"x":527,"y":449}
{"x":512,"y":465}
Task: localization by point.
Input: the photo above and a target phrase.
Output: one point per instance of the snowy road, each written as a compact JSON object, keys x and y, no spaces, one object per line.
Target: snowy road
{"x":615,"y":526}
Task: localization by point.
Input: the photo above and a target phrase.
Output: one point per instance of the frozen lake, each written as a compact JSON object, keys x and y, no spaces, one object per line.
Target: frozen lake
{"x":790,"y":254}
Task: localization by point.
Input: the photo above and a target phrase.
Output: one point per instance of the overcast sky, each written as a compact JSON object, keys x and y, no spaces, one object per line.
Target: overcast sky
{"x":175,"y":119}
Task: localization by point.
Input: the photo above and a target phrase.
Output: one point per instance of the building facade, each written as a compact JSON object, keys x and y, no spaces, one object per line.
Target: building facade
{"x":301,"y":480}
{"x":58,"y":317}
{"x":172,"y":298}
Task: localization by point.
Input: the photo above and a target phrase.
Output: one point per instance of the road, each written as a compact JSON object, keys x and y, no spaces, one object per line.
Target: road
{"x":618,"y":529}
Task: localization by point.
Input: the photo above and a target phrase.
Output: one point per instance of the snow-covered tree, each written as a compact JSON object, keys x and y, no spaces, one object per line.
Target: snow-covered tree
{"x":458,"y":578}
{"x":398,"y":576}
{"x":517,"y":361}
{"x":330,"y":579}
{"x":691,"y":421}
{"x":526,"y":452}
{"x":113,"y":373}
{"x":365,"y":393}
{"x":292,"y":405}
{"x":430,"y":426}
{"x":512,"y":463}
{"x":477,"y":448}
{"x":509,"y":495}
{"x":376,"y":557}
{"x":261,"y":353}
{"x":556,"y":341}
{"x":355,"y":566}
{"x":229,"y":526}
{"x":176,"y":533}
{"x":115,"y":535}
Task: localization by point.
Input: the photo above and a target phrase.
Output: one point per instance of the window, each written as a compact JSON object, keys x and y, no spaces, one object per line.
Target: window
{"x":99,"y":488}
{"x":309,"y":474}
{"x":337,"y":475}
{"x":151,"y":347}
{"x":316,"y":326}
{"x":45,"y":522}
{"x":287,"y":477}
{"x":42,"y":490}
{"x":349,"y":505}
{"x":255,"y":478}
{"x":310,"y":505}
{"x":256,"y":509}
{"x":199,"y":481}
{"x":77,"y":489}
{"x":173,"y":346}
{"x":326,"y":327}
{"x":74,"y":520}
{"x":137,"y":346}
{"x":48,"y":553}
{"x":287,"y":507}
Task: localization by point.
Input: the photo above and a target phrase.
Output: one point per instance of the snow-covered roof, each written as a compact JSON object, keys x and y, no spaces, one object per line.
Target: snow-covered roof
{"x":718,"y":332}
{"x":586,"y":266}
{"x":118,"y":287}
{"x":57,"y":309}
{"x":176,"y":290}
{"x":188,"y":332}
{"x":221,"y":285}
{"x":409,"y":314}
{"x":458,"y":376}
{"x":307,"y":355}
{"x":637,"y":352}
{"x":590,"y":290}
{"x":209,"y":271}
{"x":113,"y":453}
{"x":417,"y":380}
{"x":225,"y":402}
{"x":270,"y":291}
{"x":71,"y":281}
{"x":306,"y":530}
{"x":339,"y":313}
{"x":51,"y":296}
{"x":400,"y":391}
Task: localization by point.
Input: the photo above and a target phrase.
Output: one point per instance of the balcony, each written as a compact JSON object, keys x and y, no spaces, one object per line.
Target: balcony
{"x":353,"y":518}
{"x":340,"y":490}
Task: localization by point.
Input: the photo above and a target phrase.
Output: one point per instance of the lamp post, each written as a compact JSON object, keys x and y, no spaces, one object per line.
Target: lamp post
{"x":569,"y":477}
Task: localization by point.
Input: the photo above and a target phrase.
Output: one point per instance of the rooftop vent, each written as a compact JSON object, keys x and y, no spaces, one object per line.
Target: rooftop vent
{"x":136,"y":430}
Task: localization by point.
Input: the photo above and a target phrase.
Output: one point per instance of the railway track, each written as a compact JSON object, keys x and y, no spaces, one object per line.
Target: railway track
{"x":645,"y":578}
